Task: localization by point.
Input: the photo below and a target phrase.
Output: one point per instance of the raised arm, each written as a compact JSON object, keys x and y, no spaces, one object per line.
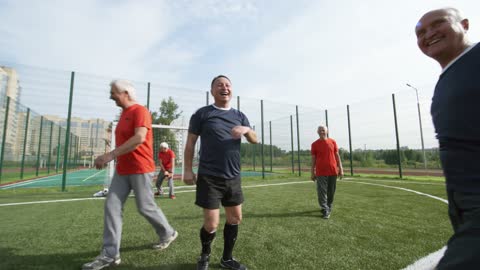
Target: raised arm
{"x":249,"y":133}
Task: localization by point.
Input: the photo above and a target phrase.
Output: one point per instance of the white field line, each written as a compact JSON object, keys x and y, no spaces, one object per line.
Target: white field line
{"x":27,"y":182}
{"x":400,"y":188}
{"x":399,"y":181}
{"x":45,"y":179}
{"x":181,"y":191}
{"x":430,"y":261}
{"x":426,"y":263}
{"x":92,"y":176}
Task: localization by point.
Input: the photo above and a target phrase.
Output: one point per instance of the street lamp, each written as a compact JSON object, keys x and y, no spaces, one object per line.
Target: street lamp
{"x":421,"y":129}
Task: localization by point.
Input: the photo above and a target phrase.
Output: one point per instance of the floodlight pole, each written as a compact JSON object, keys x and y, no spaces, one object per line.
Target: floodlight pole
{"x":420,"y":123}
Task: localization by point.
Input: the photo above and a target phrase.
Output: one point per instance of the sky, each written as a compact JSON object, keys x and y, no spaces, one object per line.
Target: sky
{"x":313,"y":53}
{"x":301,"y":52}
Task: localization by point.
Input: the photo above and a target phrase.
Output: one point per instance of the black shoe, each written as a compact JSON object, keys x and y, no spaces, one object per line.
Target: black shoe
{"x":202,"y":263}
{"x":232,"y":264}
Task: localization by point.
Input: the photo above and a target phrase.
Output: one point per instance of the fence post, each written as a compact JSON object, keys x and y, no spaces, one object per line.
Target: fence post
{"x":50,"y":148}
{"x":4,"y":136}
{"x":350,"y":140}
{"x":326,"y":122}
{"x":39,"y":145}
{"x":397,"y":137}
{"x":263,"y":140}
{"x":254,"y":153}
{"x":75,"y":156}
{"x":207,"y":96}
{"x":96,"y":133}
{"x":298,"y":143}
{"x":25,"y":143}
{"x":57,"y":163}
{"x":67,"y":136}
{"x":291,"y":143}
{"x":148,"y":96}
{"x":271,"y":148}
{"x":238,"y":103}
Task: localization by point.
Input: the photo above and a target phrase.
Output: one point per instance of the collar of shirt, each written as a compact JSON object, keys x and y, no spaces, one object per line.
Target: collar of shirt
{"x":458,"y":57}
{"x":223,"y":109}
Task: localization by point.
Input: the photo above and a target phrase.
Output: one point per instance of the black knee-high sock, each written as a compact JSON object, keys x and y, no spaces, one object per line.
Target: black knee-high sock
{"x":230,"y":233}
{"x":206,"y":238}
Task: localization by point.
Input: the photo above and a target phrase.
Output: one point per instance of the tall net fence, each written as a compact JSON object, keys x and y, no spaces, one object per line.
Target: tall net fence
{"x":56,"y":122}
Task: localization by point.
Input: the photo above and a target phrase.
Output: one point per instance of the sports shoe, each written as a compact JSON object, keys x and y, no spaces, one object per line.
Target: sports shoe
{"x":156,"y":193}
{"x":101,"y":193}
{"x":164,"y":244}
{"x":102,"y":261}
{"x":326,"y":215}
{"x":202,"y":263}
{"x":232,"y":264}
{"x":173,"y":197}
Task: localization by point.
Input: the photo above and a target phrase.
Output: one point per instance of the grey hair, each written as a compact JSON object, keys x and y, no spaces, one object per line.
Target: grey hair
{"x":164,"y":145}
{"x":322,"y":126}
{"x":125,"y":86}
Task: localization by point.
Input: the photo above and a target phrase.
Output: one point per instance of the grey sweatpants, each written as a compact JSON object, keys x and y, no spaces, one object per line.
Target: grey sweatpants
{"x":117,"y":195}
{"x":158,"y":184}
{"x":326,"y":186}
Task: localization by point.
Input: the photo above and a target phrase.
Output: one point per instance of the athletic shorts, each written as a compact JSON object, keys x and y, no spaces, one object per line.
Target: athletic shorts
{"x":211,"y":190}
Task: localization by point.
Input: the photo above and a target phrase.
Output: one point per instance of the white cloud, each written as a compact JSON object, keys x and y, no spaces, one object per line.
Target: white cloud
{"x":86,"y":35}
{"x":339,"y":50}
{"x":320,"y":54}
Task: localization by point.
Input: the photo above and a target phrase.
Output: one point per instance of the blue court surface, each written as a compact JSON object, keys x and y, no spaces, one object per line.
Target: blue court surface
{"x":81,"y":178}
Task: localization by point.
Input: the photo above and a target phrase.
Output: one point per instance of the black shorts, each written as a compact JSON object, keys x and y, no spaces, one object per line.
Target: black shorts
{"x":211,"y":190}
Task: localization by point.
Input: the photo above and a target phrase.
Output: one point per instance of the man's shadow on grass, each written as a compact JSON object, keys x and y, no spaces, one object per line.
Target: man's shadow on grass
{"x":10,"y":259}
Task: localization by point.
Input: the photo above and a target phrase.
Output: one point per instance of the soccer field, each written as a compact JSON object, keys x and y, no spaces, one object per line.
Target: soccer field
{"x":375,"y":224}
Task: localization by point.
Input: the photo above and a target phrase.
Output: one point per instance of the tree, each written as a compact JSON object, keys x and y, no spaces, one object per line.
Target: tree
{"x":166,"y":113}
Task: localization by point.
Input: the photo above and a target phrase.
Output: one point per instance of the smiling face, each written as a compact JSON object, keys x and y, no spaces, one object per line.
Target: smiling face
{"x":120,"y":98}
{"x":222,"y":92}
{"x":322,"y":132}
{"x":441,"y":35}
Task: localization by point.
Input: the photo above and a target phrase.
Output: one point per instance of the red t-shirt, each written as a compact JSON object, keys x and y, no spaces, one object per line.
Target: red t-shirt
{"x":324,"y":152}
{"x":166,"y":158}
{"x":139,"y":160}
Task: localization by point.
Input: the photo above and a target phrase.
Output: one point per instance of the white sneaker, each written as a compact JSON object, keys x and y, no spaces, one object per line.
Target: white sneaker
{"x":101,"y":261}
{"x":164,"y":244}
{"x":101,"y":193}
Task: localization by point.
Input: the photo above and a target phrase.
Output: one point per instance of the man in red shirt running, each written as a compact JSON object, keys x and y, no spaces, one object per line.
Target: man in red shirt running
{"x":326,"y":166}
{"x":166,"y":158}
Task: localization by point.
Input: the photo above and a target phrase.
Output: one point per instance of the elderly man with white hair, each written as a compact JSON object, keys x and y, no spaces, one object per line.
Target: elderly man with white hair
{"x":134,"y":171}
{"x":166,"y":158}
{"x":326,"y":166}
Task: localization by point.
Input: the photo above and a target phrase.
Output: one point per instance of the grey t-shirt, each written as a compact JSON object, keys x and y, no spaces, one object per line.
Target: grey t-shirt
{"x":219,"y":151}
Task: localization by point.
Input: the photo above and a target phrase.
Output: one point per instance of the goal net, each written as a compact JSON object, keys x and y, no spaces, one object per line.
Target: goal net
{"x":175,"y":135}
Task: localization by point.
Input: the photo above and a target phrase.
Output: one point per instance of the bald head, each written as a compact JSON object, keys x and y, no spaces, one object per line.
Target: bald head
{"x":441,"y":34}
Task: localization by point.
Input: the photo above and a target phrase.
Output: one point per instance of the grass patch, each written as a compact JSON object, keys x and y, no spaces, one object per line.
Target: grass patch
{"x":371,"y":227}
